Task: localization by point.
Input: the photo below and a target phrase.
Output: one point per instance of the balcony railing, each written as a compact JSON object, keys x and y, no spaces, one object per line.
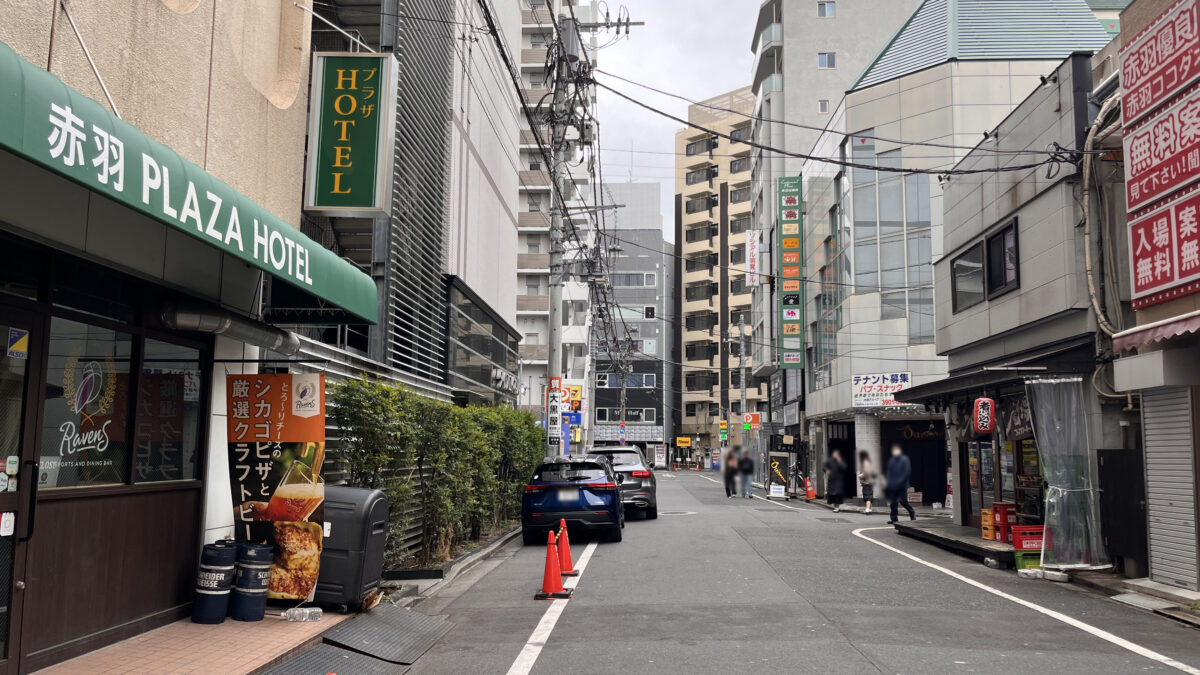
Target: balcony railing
{"x":533,"y":303}
{"x":770,"y":84}
{"x":541,"y":17}
{"x":534,"y":352}
{"x":533,"y":261}
{"x":533,"y":219}
{"x":535,"y":56}
{"x":534,"y":178}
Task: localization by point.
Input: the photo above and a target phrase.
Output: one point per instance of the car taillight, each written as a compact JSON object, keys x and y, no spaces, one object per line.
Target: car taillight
{"x":603,"y":486}
{"x":535,"y":488}
{"x":640,"y":474}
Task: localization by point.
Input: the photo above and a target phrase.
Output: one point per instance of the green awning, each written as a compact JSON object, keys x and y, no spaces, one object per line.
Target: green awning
{"x":47,"y":122}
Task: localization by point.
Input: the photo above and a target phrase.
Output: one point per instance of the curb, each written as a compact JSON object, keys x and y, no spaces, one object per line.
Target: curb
{"x":454,"y":568}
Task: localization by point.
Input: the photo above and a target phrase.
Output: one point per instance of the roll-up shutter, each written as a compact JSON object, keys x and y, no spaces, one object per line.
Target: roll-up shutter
{"x":1170,"y":485}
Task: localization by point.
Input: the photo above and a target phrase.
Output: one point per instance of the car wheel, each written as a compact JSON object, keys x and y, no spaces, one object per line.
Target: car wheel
{"x":530,"y":536}
{"x":652,"y":512}
{"x":614,"y":534}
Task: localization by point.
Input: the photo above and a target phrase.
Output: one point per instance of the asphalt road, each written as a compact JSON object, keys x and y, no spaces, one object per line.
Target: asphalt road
{"x":720,"y":585}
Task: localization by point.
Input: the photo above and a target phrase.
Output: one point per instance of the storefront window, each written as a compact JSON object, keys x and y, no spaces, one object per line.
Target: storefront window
{"x":167,"y":433}
{"x":85,"y":422}
{"x":1007,"y":471}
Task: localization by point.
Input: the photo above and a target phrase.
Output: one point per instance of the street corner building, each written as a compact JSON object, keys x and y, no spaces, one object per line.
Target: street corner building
{"x":150,"y":205}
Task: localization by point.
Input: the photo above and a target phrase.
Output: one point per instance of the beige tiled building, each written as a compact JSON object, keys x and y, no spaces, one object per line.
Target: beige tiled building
{"x":712,"y":217}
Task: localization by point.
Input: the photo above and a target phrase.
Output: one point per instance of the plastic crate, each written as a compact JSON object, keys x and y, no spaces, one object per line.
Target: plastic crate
{"x":1028,"y":560}
{"x":1004,"y":513}
{"x":986,"y":517}
{"x":1027,"y":537}
{"x":1003,"y":534}
{"x":987,"y":532}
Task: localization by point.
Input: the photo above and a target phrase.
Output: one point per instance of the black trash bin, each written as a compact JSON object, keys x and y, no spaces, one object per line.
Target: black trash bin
{"x":356,"y":521}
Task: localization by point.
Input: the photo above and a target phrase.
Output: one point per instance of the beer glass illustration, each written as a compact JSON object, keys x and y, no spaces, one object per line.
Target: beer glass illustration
{"x":298,"y":495}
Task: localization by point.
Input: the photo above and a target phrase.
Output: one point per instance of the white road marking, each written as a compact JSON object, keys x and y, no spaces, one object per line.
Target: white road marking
{"x":533,"y":647}
{"x":1059,"y":616}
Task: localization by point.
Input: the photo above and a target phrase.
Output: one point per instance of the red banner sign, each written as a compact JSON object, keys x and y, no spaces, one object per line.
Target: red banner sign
{"x":985,"y":415}
{"x":1160,"y":62}
{"x":1164,"y":248}
{"x":1163,"y":154}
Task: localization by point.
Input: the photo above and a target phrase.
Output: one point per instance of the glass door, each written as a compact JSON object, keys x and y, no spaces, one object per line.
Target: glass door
{"x":18,"y":473}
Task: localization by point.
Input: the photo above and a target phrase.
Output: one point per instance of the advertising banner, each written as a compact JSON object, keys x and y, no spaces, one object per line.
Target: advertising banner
{"x":752,"y":277}
{"x":350,"y":134}
{"x":878,"y":389}
{"x":791,"y":274}
{"x":1160,"y":61}
{"x":276,"y":428}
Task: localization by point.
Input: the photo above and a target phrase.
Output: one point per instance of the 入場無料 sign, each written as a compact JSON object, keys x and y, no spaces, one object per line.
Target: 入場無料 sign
{"x":351,"y":130}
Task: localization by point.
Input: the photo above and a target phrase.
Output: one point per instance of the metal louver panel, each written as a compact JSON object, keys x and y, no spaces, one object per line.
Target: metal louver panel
{"x":1170,"y":486}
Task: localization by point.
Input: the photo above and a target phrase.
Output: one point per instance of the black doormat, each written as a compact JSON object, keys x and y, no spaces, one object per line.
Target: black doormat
{"x":325,"y":658}
{"x":390,"y":633}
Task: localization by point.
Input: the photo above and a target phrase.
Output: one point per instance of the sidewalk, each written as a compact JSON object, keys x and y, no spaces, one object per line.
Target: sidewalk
{"x":186,"y":647}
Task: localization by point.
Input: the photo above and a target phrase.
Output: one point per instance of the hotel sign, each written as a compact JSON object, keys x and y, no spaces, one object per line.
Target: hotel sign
{"x":790,"y":278}
{"x":351,"y":130}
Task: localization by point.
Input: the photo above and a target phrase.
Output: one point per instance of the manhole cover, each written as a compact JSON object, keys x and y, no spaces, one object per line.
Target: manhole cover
{"x":676,"y":513}
{"x":833,"y":520}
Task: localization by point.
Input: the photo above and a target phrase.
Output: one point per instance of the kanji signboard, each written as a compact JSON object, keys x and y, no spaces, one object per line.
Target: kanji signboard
{"x":1163,"y":154}
{"x":879,"y":389}
{"x":1160,"y":62}
{"x":791,"y":272}
{"x":1164,"y":245}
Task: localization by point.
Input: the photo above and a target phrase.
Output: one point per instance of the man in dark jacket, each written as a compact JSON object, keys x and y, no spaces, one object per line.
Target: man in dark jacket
{"x":835,"y":480}
{"x":899,"y":472}
{"x":746,"y":466}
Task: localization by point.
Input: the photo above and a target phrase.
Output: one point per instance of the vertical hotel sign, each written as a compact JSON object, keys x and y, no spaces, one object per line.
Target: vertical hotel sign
{"x":791,"y":276}
{"x":276,"y":436}
{"x":351,"y":128}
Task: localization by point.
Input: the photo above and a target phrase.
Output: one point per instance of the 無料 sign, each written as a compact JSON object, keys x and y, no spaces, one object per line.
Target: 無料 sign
{"x":350,"y":134}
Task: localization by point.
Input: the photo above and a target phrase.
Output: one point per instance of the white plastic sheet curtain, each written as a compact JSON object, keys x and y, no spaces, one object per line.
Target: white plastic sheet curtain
{"x":1072,"y":538}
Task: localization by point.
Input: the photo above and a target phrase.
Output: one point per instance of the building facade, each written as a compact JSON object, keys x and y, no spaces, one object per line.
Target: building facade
{"x":712,"y":217}
{"x":871,"y":235}
{"x":640,"y":261}
{"x":137,"y":220}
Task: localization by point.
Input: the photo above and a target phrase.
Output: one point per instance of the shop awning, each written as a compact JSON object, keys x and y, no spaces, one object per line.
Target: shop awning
{"x":47,"y":122}
{"x":1159,"y":330}
{"x":1071,"y":357}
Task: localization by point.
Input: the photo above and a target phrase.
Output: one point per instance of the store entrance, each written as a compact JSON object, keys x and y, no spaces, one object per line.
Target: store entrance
{"x":18,"y":413}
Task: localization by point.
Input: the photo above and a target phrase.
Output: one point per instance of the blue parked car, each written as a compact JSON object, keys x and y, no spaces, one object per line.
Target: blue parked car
{"x":583,"y":490}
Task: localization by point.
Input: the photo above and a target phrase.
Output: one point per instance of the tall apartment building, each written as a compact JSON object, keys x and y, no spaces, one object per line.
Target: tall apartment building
{"x":953,"y":71}
{"x":538,"y":18}
{"x":806,"y":55}
{"x":712,"y":216}
{"x":641,"y":265}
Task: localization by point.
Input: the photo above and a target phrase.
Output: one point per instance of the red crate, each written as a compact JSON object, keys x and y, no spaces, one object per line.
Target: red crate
{"x":1005,"y":513}
{"x":1027,"y":537}
{"x":1003,"y":533}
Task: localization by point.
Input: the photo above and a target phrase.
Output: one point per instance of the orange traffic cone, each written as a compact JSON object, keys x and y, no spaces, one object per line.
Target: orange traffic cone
{"x":810,"y":492}
{"x":565,"y":566}
{"x":552,"y":580}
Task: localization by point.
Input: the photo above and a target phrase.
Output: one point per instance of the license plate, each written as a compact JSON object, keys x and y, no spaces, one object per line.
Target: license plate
{"x":568,"y":495}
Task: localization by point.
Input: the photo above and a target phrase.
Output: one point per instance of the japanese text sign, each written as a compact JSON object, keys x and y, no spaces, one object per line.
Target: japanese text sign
{"x":879,"y":389}
{"x":791,"y":271}
{"x":1160,"y":62}
{"x":350,"y":134}
{"x":1164,"y":247}
{"x":752,"y":258}
{"x":985,"y":415}
{"x":1163,"y":154}
{"x":276,"y":429}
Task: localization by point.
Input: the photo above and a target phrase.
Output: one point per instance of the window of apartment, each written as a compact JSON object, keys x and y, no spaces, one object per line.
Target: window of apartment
{"x":823,"y":106}
{"x":533,"y":246}
{"x":893,"y":306}
{"x":739,"y":165}
{"x":737,"y":286}
{"x":647,"y":414}
{"x":537,"y":40}
{"x":714,"y":409}
{"x":700,"y":175}
{"x":648,"y":380}
{"x":826,"y":60}
{"x":699,"y":204}
{"x":737,"y":255}
{"x":689,"y":409}
{"x":701,"y":146}
{"x":739,"y":225}
{"x":633,"y":279}
{"x":535,"y":165}
{"x":739,"y":195}
{"x":827,"y":9}
{"x":740,"y":134}
{"x":531,"y":338}
{"x":532,"y":287}
{"x":602,"y":415}
{"x":534,"y":203}
{"x":602,"y":380}
{"x":966,"y":278}
{"x":920,"y":320}
{"x":1002,"y":272}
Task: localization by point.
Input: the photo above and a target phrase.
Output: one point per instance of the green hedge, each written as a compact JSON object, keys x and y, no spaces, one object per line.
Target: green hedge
{"x":464,"y":468}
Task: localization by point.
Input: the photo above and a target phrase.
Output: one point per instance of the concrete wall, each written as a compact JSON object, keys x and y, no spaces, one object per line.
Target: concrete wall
{"x":222,"y":82}
{"x":482,"y":232}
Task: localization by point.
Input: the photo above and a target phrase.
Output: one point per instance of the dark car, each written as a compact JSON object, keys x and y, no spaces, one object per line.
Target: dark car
{"x":639,"y":487}
{"x":579,"y":490}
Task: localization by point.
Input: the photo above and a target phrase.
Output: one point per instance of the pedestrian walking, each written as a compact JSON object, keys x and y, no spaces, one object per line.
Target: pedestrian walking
{"x":835,"y":480}
{"x":899,"y":472}
{"x":731,"y":474}
{"x":866,"y":478}
{"x":746,"y":467}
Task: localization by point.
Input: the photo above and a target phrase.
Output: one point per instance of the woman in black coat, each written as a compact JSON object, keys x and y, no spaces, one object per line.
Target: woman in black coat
{"x":731,"y":474}
{"x":835,"y":480}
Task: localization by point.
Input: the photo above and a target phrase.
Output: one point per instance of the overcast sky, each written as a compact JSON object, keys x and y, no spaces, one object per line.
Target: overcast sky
{"x":695,"y":48}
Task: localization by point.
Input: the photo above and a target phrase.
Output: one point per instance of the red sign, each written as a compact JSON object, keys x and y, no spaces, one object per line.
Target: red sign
{"x":1163,"y":154}
{"x":1164,"y":250}
{"x":1160,"y":62}
{"x":985,"y":415}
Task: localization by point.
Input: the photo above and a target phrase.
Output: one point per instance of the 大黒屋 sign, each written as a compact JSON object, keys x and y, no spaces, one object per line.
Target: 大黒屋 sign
{"x":790,"y":271}
{"x":879,"y":389}
{"x":276,"y":436}
{"x":350,"y":134}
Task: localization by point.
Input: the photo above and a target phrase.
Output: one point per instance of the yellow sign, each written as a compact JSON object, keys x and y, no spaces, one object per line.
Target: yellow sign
{"x":724,"y":425}
{"x":576,"y":392}
{"x":683,"y":441}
